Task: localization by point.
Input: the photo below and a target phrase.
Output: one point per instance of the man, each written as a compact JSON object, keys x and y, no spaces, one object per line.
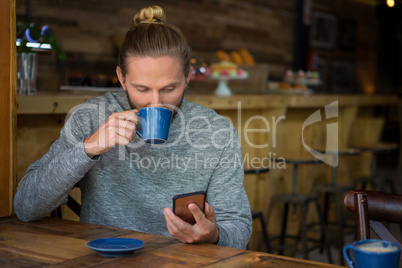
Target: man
{"x":128,"y":184}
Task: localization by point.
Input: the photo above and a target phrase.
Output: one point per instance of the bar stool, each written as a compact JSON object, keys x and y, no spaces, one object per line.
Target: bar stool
{"x":335,"y":192}
{"x":258,"y":215}
{"x":299,"y":200}
{"x":373,"y":180}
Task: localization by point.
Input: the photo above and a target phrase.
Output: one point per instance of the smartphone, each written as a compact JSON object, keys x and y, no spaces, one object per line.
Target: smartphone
{"x":181,"y":202}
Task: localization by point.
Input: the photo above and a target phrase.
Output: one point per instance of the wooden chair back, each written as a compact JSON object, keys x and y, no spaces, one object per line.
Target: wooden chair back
{"x":71,"y":204}
{"x":371,"y":209}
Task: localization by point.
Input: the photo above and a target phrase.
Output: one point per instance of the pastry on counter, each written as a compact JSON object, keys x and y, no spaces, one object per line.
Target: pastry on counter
{"x":246,"y":57}
{"x":242,"y":56}
{"x":302,"y":77}
{"x":222,"y":67}
{"x":236,"y":58}
{"x":227,"y":69}
{"x":222,"y":56}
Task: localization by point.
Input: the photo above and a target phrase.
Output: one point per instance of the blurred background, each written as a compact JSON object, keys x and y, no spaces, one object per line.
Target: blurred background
{"x":360,"y":37}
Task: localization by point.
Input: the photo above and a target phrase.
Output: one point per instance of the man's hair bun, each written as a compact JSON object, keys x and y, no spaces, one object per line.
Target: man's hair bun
{"x":150,"y":14}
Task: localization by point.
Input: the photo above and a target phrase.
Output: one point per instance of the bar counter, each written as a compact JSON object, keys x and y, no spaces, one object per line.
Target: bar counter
{"x":269,"y":126}
{"x":61,"y":103}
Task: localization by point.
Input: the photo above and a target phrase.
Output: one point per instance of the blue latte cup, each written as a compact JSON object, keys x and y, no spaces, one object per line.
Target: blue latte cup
{"x":154,"y":124}
{"x":372,"y":253}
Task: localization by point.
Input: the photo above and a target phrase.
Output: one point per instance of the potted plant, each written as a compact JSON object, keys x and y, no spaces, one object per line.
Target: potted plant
{"x":30,"y":40}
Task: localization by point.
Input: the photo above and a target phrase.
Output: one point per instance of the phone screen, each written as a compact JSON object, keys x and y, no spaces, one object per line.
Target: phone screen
{"x":181,"y":202}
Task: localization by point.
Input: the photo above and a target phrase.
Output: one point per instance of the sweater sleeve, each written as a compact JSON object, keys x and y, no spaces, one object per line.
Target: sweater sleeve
{"x":228,"y":197}
{"x":47,"y":182}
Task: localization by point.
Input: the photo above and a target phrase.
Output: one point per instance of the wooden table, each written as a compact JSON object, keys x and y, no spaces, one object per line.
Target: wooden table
{"x":62,"y":243}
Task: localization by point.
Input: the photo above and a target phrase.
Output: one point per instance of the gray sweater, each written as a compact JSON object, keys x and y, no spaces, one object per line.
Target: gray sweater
{"x":129,"y":186}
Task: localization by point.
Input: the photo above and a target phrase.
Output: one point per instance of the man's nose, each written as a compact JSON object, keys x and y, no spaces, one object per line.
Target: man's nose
{"x":155,"y":99}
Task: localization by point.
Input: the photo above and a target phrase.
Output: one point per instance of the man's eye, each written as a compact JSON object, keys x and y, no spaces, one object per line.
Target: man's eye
{"x":140,"y":89}
{"x":168,"y":89}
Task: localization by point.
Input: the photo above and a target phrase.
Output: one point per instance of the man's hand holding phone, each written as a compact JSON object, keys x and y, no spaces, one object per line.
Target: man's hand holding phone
{"x":202,"y":230}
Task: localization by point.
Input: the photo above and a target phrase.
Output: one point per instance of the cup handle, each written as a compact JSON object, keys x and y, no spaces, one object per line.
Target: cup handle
{"x":139,"y":134}
{"x":346,"y":254}
{"x":136,"y":130}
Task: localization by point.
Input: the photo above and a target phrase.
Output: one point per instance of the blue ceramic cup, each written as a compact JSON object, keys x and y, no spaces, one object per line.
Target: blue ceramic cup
{"x":372,"y":253}
{"x":154,"y":124}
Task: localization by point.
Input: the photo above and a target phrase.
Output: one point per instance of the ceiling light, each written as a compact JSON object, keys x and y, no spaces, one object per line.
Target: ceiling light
{"x":390,"y":3}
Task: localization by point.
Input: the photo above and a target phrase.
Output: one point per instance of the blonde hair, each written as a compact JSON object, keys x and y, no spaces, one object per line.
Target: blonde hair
{"x":151,"y":36}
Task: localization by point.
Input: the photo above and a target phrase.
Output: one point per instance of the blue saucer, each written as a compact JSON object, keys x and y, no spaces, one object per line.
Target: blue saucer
{"x":115,"y":247}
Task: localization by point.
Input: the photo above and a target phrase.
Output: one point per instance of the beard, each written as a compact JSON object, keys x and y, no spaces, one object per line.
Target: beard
{"x":177,"y":107}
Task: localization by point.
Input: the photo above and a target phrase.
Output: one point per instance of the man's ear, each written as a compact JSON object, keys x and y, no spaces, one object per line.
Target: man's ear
{"x":190,"y":73}
{"x":121,"y":77}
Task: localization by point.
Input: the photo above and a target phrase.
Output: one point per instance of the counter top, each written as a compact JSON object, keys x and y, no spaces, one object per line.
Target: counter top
{"x":63,"y":102}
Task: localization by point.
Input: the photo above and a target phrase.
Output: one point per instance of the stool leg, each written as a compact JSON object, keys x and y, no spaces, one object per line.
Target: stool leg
{"x":56,"y":213}
{"x":374,"y":186}
{"x":303,"y":228}
{"x":270,"y":208}
{"x":364,"y":186}
{"x":264,"y":233}
{"x":284,"y":225}
{"x":391,"y":185}
{"x":339,"y":210}
{"x":325,"y":216}
{"x":323,"y":231}
{"x":326,"y":206}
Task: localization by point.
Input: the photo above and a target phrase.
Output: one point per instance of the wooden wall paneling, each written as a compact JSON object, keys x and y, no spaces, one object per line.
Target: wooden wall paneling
{"x":248,"y":123}
{"x":84,"y":30}
{"x":66,"y":211}
{"x":8,"y":101}
{"x":347,"y":118}
{"x":88,"y":33}
{"x":35,"y":135}
{"x":290,"y":140}
{"x":51,"y":104}
{"x":269,"y":184}
{"x":367,"y":128}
